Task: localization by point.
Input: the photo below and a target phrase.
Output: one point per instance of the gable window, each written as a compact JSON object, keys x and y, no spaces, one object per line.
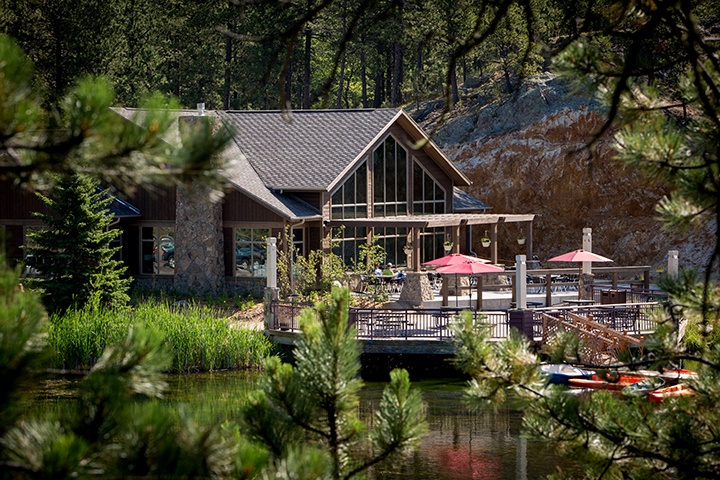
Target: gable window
{"x":350,"y":200}
{"x":157,"y":250}
{"x":389,"y":179}
{"x":251,"y":252}
{"x":428,"y":195}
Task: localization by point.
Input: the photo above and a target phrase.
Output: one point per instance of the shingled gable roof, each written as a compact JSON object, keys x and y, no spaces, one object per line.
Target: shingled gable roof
{"x":238,"y":171}
{"x":314,"y":149}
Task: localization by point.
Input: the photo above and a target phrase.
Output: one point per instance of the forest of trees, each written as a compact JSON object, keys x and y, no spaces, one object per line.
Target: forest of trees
{"x":269,"y":54}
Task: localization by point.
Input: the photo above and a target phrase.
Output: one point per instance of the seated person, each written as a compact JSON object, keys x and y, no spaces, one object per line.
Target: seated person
{"x":388,"y":270}
{"x":401,"y":277}
{"x":377,"y":270}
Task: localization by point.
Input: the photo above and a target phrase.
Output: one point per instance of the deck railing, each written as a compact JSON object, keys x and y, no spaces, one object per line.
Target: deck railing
{"x":631,"y":319}
{"x":397,"y":323}
{"x":433,"y":323}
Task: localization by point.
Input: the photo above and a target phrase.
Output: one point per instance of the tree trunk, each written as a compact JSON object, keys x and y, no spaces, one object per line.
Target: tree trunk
{"x":454,"y":95}
{"x":306,"y":79}
{"x":396,"y":95}
{"x":228,"y":64}
{"x":363,"y":77}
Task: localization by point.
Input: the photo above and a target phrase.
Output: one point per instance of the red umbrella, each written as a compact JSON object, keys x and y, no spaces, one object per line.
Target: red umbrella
{"x":454,"y":258}
{"x":579,"y":256}
{"x":470,"y":268}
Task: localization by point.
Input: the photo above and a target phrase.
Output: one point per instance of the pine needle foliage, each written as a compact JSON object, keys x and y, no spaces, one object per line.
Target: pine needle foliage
{"x":72,"y":252}
{"x":117,"y":428}
{"x":316,"y":401}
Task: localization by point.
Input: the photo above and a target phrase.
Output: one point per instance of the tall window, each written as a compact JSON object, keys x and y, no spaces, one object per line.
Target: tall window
{"x":393,"y":240}
{"x":389,"y":179}
{"x":431,"y":243}
{"x":428,"y":196}
{"x":251,"y":252}
{"x":350,"y":200}
{"x":157,"y":250}
{"x":348,"y":244}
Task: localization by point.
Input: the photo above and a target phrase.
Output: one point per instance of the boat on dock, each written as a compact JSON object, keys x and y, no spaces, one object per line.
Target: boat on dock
{"x":597,"y":383}
{"x":679,"y":390}
{"x":561,"y":372}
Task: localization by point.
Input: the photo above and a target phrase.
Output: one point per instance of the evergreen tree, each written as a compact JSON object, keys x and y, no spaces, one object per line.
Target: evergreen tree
{"x":317,"y":400}
{"x":72,"y":252}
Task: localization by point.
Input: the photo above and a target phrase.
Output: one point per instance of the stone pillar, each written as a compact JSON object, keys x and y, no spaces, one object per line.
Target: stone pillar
{"x":673,"y":263}
{"x":522,"y":320}
{"x":199,"y":252}
{"x":416,"y":288}
{"x":585,"y":286}
{"x":520,"y":282}
{"x":587,"y":246}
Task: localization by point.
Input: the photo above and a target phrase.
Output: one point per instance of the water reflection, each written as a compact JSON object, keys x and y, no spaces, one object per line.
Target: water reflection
{"x":464,"y":444}
{"x":461,"y":444}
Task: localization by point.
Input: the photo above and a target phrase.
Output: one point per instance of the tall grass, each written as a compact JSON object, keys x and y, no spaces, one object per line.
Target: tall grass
{"x":198,"y":339}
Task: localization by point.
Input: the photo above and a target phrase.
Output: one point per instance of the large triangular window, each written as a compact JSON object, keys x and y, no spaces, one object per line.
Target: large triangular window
{"x":389,"y":179}
{"x":428,"y":195}
{"x":350,"y":200}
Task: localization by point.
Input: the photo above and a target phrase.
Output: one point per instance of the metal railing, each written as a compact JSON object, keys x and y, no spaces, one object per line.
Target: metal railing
{"x":433,"y":323}
{"x":633,"y":294}
{"x":397,"y":323}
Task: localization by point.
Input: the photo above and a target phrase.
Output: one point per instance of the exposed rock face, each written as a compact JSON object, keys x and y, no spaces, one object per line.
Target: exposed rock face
{"x":530,"y":156}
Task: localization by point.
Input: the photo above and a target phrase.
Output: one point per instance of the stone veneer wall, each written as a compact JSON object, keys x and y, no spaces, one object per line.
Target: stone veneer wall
{"x":199,"y":255}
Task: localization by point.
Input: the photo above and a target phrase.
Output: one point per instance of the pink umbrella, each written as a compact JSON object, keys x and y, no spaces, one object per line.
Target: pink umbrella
{"x":470,"y":268}
{"x":454,"y":258}
{"x":579,"y":256}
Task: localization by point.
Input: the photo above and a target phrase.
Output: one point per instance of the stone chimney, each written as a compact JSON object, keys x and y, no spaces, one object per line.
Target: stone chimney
{"x":199,"y":262}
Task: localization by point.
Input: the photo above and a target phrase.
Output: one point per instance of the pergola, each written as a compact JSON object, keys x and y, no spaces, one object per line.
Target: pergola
{"x":415,"y":223}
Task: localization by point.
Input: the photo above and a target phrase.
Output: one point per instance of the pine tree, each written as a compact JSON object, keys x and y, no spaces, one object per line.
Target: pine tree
{"x":72,"y":252}
{"x":317,"y":401}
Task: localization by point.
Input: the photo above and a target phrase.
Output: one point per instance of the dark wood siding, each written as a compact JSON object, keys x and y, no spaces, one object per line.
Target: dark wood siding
{"x":238,"y":207}
{"x":18,"y":203}
{"x":313,"y":199}
{"x":14,"y":241}
{"x":314,"y":236}
{"x":156,"y":204}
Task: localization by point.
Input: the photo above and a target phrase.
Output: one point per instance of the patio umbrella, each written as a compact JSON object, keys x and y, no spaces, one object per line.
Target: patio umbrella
{"x":579,"y":256}
{"x":468,"y":268}
{"x":454,"y":258}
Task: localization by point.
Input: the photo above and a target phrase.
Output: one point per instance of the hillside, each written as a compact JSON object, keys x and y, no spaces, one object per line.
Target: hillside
{"x":528,"y":155}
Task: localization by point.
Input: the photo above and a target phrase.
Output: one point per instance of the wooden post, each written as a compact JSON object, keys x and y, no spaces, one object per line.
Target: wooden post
{"x":548,"y":290}
{"x":416,"y":248}
{"x":445,"y":289}
{"x":493,"y":244}
{"x":529,"y":240}
{"x":614,"y":279}
{"x":456,"y":239}
{"x":479,"y":288}
{"x":646,"y":279}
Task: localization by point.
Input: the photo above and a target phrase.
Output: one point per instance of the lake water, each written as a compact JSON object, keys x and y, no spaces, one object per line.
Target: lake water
{"x":460,"y":445}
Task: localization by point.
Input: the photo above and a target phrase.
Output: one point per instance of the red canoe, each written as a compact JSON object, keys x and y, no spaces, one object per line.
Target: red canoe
{"x":675,"y":391}
{"x":597,"y":383}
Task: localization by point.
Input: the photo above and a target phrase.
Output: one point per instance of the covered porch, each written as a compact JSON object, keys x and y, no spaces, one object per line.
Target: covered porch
{"x":456,"y":227}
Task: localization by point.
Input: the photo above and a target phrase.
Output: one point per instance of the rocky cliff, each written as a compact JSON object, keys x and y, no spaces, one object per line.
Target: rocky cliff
{"x":528,"y":154}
